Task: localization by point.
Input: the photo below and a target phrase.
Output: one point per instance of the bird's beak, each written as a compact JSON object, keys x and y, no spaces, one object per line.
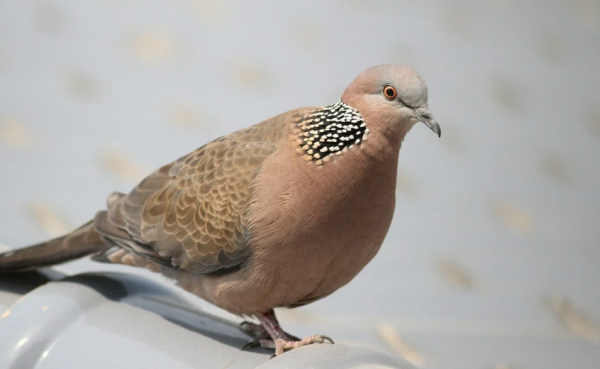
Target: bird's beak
{"x":423,"y":115}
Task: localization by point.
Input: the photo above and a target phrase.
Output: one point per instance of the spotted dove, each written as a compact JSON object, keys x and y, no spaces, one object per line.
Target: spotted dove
{"x":279,"y":214}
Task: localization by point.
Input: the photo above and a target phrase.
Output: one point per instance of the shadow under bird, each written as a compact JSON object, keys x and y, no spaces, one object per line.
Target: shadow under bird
{"x":279,"y":214}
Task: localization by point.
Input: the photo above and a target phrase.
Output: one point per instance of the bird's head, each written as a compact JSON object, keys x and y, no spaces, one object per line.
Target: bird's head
{"x":391,"y":98}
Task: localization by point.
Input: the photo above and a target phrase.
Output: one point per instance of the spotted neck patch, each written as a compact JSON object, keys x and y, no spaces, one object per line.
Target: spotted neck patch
{"x":329,"y":131}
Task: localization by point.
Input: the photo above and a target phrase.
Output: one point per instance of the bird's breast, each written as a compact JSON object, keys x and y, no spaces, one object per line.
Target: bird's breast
{"x":314,"y":227}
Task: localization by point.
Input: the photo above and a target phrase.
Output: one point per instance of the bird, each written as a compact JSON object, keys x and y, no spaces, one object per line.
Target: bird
{"x":277,"y":215}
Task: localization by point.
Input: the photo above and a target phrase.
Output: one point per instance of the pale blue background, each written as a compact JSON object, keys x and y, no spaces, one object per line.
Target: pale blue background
{"x":493,"y":258}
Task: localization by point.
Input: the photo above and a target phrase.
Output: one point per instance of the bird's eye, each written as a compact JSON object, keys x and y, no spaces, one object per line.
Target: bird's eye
{"x":390,"y":92}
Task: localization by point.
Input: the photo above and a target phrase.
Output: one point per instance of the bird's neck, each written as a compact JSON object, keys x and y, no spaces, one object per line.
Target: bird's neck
{"x":384,"y":139}
{"x":325,"y":133}
{"x":329,"y":131}
{"x":380,"y":146}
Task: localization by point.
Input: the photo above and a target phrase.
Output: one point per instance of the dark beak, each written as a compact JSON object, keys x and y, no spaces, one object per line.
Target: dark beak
{"x":423,"y":115}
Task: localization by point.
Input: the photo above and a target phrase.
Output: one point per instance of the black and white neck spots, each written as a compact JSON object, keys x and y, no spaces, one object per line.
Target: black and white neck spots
{"x":328,"y":131}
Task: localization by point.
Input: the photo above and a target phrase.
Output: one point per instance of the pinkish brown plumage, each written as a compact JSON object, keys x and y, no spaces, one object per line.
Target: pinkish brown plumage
{"x":279,"y":214}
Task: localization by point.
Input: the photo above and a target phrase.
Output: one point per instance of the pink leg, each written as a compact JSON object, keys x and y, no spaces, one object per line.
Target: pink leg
{"x":260,"y":334}
{"x":280,"y":340}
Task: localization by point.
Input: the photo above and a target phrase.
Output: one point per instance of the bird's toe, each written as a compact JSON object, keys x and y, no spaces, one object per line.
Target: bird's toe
{"x":252,"y":329}
{"x":283,"y":345}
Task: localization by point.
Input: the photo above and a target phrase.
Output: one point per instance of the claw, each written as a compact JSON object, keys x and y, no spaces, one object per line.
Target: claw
{"x":325,"y":338}
{"x":251,"y":344}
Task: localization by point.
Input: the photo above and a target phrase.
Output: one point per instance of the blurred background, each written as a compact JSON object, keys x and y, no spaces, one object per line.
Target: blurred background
{"x":493,"y":258}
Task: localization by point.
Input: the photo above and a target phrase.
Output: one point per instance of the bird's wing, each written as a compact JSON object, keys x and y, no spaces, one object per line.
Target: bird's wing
{"x":190,"y":214}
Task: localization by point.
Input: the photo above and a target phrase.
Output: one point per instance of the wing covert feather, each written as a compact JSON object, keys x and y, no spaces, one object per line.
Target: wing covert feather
{"x":190,"y":214}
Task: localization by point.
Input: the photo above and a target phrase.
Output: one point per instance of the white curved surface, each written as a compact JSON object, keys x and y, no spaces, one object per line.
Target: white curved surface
{"x":117,"y":320}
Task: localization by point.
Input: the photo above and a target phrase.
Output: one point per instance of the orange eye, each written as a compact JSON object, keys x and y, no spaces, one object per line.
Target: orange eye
{"x":390,"y":92}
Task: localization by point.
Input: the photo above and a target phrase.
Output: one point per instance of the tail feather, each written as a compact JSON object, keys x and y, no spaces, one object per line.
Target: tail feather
{"x":81,"y":242}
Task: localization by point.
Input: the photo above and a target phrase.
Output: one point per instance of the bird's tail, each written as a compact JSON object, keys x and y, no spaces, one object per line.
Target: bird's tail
{"x":79,"y":243}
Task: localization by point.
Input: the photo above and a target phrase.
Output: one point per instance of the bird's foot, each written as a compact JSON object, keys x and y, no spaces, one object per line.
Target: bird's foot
{"x":269,"y":334}
{"x":261,"y":336}
{"x":282,"y":345}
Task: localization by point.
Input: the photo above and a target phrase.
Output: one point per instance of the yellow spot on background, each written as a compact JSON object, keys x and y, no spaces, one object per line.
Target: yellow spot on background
{"x":454,"y":274}
{"x":249,"y":74}
{"x":574,"y":319}
{"x":121,"y":165}
{"x":213,"y":13}
{"x":13,"y":133}
{"x":48,"y":219}
{"x":188,"y":116}
{"x":555,"y":168}
{"x":153,"y":46}
{"x":507,"y":94}
{"x":81,"y":86}
{"x":513,"y":217}
{"x":388,"y":333}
